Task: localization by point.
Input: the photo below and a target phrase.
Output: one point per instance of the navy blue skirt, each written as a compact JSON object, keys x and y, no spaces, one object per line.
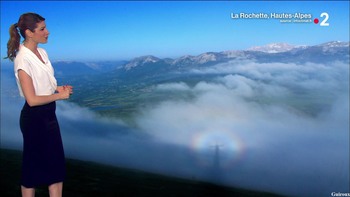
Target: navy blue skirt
{"x":43,"y":160}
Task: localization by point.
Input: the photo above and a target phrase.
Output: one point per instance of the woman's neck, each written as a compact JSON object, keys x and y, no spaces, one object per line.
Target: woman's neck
{"x":31,"y":45}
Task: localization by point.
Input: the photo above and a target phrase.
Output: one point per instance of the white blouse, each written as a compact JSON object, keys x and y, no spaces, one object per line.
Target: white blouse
{"x":42,"y":74}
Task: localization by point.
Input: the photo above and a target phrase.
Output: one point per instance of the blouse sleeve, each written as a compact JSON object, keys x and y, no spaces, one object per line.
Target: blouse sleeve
{"x":21,"y":64}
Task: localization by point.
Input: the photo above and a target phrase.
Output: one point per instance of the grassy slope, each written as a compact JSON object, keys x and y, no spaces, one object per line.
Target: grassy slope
{"x":98,"y":180}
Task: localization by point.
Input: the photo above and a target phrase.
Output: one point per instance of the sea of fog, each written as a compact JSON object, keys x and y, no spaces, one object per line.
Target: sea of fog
{"x":242,"y":129}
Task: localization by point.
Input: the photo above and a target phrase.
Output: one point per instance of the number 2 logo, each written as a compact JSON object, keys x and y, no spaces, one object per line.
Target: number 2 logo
{"x":324,"y":21}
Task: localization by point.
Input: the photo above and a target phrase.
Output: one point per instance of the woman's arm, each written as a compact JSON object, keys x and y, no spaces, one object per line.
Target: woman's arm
{"x":29,"y":92}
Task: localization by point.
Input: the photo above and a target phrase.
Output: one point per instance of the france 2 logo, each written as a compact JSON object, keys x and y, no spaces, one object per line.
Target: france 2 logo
{"x":324,"y":22}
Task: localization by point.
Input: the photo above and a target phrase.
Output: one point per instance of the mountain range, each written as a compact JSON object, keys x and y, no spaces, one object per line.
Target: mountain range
{"x":275,"y":52}
{"x":151,"y":65}
{"x":279,"y":52}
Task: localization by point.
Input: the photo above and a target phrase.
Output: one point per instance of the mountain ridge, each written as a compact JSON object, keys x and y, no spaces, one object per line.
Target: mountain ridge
{"x":270,"y":49}
{"x":274,"y":52}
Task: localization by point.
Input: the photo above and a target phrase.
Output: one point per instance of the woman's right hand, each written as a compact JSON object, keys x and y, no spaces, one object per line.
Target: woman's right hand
{"x":64,"y":93}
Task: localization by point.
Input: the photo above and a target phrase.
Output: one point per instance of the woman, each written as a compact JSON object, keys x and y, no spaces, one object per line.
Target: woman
{"x":43,"y":155}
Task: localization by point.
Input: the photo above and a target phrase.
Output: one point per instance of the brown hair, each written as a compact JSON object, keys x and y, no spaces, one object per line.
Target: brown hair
{"x":26,"y":21}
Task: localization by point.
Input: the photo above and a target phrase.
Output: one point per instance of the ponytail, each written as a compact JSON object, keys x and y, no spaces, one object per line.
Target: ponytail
{"x":13,"y":43}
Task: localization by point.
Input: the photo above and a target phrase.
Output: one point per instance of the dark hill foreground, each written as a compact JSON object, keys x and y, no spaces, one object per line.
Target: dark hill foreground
{"x":98,"y":180}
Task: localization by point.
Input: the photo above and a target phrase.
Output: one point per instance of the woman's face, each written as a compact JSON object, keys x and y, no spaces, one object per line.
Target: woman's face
{"x":41,"y":34}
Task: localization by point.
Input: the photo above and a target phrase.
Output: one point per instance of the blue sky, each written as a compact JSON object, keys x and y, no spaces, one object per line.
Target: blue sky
{"x":121,"y":30}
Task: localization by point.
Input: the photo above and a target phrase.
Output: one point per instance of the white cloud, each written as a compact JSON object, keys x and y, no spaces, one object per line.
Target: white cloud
{"x":266,"y":107}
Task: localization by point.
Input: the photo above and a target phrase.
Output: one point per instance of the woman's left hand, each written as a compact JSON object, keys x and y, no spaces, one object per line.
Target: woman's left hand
{"x":64,"y":88}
